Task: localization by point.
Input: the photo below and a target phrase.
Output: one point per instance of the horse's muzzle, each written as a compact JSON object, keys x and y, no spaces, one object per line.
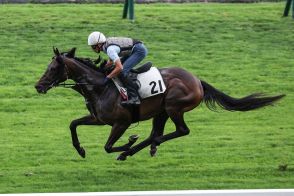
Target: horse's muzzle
{"x":41,"y":89}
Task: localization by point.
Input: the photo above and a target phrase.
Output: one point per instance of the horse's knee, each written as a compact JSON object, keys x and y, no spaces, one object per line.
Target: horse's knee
{"x":108,"y":148}
{"x":72,"y":126}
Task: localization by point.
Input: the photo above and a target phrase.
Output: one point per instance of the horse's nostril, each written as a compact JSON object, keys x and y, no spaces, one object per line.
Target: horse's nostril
{"x":39,"y":88}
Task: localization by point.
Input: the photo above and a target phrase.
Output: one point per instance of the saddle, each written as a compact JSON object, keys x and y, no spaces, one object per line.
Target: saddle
{"x":143,"y":68}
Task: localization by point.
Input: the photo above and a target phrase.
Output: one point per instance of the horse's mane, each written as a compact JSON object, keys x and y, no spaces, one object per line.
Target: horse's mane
{"x":88,"y":62}
{"x":97,"y":65}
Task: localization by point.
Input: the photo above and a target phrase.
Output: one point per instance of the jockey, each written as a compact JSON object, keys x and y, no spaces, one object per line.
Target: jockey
{"x":124,"y":53}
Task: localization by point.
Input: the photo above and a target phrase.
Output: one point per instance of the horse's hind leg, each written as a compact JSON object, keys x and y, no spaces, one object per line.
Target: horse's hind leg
{"x":86,"y":120}
{"x":181,"y":128}
{"x":158,"y":125}
{"x":157,"y":130}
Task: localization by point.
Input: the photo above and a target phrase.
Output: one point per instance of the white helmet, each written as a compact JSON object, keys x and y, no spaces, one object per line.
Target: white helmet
{"x":96,"y":38}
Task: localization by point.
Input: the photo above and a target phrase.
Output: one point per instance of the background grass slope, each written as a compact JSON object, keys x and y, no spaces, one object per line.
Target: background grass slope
{"x":238,"y":48}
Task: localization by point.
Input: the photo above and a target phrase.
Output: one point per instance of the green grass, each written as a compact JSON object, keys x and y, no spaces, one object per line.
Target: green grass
{"x":238,"y":48}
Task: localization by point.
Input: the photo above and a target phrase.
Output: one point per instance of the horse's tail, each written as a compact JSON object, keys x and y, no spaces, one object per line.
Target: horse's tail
{"x":213,"y":97}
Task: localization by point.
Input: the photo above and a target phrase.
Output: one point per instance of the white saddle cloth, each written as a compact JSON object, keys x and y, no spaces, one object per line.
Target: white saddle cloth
{"x":150,"y":84}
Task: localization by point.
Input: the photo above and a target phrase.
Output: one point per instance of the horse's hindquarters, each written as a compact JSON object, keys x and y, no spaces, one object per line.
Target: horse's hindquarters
{"x":184,"y":91}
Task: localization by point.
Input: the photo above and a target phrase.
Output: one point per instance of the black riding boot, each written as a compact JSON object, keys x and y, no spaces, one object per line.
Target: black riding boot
{"x":132,"y":89}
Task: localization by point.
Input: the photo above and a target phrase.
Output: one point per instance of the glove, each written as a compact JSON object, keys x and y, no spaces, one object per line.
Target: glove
{"x":106,"y":81}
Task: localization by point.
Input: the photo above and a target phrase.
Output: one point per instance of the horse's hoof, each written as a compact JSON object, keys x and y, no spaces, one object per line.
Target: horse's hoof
{"x":133,"y":138}
{"x":121,"y":158}
{"x":82,"y":152}
{"x":153,"y":152}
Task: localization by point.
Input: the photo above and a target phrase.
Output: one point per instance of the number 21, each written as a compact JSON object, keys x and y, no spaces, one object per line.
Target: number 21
{"x":153,"y":85}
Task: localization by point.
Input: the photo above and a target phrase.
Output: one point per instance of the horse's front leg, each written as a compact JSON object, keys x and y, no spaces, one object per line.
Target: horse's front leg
{"x":86,"y":120}
{"x":117,"y":131}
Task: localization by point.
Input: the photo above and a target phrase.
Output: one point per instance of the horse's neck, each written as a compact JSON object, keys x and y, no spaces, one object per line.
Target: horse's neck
{"x":82,"y":74}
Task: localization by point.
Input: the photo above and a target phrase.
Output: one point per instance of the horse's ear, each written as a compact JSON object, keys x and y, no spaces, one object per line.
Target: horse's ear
{"x":71,"y":53}
{"x":56,"y":51}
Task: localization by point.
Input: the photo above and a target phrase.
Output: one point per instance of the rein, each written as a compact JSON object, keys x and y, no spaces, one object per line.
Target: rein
{"x":69,"y":85}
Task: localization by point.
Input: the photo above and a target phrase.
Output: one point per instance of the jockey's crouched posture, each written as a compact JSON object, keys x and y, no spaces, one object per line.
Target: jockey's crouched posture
{"x":124,"y":53}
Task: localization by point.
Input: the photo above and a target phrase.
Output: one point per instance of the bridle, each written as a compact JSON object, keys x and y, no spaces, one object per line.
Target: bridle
{"x":67,"y":85}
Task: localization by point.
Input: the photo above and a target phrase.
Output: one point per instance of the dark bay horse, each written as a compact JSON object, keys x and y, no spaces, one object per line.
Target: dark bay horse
{"x":183,"y":93}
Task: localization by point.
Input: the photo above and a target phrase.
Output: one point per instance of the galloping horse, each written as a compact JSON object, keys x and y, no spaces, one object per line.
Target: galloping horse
{"x":183,"y":93}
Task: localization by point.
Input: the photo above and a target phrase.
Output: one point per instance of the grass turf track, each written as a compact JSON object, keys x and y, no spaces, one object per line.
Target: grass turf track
{"x":238,"y":48}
